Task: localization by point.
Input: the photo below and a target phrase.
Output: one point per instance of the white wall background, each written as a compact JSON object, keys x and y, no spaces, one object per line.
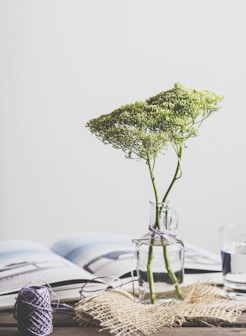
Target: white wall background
{"x":64,"y":62}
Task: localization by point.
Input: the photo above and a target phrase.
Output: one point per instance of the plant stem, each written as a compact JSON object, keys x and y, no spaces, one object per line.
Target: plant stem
{"x":150,"y":275}
{"x":176,"y":176}
{"x":172,"y":274}
{"x":157,"y":225}
{"x":152,"y":179}
{"x":177,"y":173}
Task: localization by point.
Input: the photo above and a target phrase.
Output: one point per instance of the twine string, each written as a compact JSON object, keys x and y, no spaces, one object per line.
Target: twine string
{"x":112,"y":283}
{"x":168,"y":235}
{"x":34,"y":310}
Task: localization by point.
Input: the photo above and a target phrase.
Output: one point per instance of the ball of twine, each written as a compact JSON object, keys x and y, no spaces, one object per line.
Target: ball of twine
{"x":33,"y":310}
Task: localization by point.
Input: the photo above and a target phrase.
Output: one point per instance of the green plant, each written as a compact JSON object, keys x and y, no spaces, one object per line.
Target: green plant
{"x":146,"y":129}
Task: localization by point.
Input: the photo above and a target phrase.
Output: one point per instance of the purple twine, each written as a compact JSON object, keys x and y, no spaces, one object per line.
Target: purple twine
{"x":111,"y":284}
{"x":168,"y":235}
{"x":34,"y":312}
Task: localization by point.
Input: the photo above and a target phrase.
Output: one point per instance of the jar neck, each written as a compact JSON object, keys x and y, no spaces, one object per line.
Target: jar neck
{"x":162,"y":217}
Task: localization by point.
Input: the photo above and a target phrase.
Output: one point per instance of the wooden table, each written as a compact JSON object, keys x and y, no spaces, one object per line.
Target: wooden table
{"x":65,"y":326}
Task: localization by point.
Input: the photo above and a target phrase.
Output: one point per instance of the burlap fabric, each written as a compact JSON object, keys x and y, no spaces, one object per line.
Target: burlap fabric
{"x":117,"y":311}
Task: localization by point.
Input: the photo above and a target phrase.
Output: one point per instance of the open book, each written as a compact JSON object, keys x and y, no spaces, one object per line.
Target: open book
{"x":91,"y":258}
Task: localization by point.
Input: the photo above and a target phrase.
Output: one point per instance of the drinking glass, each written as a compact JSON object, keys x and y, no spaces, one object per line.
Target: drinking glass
{"x":233,"y":255}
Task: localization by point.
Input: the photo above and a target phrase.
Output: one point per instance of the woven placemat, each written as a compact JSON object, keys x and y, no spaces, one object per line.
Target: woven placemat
{"x":118,"y":312}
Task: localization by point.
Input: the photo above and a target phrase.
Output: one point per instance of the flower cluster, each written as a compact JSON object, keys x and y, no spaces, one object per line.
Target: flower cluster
{"x":146,"y":129}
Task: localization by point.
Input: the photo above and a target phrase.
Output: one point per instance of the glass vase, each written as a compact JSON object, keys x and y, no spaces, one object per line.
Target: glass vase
{"x":160,"y":256}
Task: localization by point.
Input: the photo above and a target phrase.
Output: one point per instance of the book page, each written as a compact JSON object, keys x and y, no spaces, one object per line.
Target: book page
{"x":99,"y":253}
{"x":199,"y":259}
{"x":24,"y":261}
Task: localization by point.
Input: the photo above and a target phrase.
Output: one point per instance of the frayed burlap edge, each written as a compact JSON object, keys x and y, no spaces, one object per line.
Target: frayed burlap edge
{"x":117,"y":311}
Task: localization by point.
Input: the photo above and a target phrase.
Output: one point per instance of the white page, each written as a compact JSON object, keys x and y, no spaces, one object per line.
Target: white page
{"x":24,"y":261}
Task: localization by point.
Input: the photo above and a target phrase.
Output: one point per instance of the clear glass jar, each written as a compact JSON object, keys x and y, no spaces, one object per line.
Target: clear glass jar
{"x":160,"y":256}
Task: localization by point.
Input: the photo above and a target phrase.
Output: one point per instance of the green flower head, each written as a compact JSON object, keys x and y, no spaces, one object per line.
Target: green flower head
{"x":145,"y":129}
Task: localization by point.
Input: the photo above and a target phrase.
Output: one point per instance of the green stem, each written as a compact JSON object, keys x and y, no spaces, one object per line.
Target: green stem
{"x":176,"y":176}
{"x":152,"y":179}
{"x":172,"y":275}
{"x":177,"y":173}
{"x":157,"y":225}
{"x":150,"y":275}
